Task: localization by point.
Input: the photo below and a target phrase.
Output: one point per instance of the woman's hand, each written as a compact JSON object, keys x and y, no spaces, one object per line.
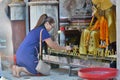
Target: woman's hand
{"x":56,"y":46}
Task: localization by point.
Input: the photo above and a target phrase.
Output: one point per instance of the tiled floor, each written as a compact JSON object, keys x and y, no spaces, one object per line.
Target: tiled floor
{"x":56,"y":74}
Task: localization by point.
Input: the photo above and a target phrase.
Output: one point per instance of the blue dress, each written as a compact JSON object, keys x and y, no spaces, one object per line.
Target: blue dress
{"x":26,"y":55}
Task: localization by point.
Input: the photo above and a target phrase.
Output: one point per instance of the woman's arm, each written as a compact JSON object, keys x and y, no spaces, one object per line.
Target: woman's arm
{"x":55,"y":46}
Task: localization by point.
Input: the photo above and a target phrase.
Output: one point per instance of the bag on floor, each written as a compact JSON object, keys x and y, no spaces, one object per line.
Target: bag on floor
{"x":43,"y":68}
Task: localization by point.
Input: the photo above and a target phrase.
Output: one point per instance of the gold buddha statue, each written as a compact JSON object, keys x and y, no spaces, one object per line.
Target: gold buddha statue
{"x":91,"y":38}
{"x":110,"y":14}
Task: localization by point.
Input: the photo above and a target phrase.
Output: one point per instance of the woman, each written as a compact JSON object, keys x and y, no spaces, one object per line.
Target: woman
{"x":26,"y":56}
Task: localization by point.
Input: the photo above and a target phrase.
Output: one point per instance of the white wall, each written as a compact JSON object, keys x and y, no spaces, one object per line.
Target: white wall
{"x":5,"y":30}
{"x":118,"y":36}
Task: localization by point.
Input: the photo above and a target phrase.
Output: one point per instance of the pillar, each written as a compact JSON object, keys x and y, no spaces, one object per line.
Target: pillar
{"x":39,"y":7}
{"x":118,"y":36}
{"x":17,"y":16}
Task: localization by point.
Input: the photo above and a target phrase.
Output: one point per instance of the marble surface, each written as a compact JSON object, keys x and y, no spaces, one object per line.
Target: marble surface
{"x":56,"y":74}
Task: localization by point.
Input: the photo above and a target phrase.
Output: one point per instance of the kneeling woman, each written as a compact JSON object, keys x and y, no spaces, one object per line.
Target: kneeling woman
{"x":26,"y":56}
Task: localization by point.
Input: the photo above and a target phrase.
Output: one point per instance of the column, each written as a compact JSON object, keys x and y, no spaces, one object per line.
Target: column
{"x":17,"y":16}
{"x":118,"y":35}
{"x":39,"y":7}
{"x":6,"y":45}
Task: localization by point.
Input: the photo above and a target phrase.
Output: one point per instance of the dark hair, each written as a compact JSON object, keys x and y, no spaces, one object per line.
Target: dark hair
{"x":44,"y":18}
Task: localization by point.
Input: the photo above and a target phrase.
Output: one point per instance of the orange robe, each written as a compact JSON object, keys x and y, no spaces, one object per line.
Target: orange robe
{"x":102,"y":25}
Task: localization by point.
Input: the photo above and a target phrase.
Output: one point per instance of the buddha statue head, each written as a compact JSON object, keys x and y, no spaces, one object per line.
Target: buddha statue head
{"x":102,"y":4}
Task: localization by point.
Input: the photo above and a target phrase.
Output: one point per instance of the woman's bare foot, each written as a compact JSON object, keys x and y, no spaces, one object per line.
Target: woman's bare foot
{"x":13,"y":70}
{"x":16,"y":70}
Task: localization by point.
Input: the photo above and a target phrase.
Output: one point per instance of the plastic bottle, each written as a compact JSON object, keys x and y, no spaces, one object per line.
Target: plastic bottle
{"x":62,"y":36}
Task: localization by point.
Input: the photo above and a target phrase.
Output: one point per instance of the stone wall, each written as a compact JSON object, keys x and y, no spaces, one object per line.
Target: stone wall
{"x":69,"y":8}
